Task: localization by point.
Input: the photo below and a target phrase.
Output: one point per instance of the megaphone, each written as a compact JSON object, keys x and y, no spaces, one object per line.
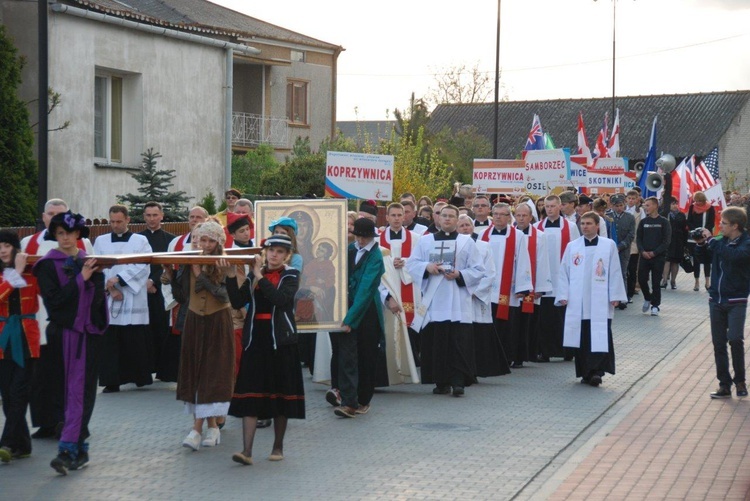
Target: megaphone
{"x":654,"y":181}
{"x":638,"y":169}
{"x":666,"y":163}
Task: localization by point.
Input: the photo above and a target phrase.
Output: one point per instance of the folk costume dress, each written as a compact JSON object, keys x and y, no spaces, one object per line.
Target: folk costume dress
{"x":78,"y":316}
{"x":19,"y":350}
{"x":590,"y":278}
{"x":549,"y":328}
{"x":206,"y":377}
{"x":127,"y":352}
{"x":446,"y":314}
{"x":269,"y":383}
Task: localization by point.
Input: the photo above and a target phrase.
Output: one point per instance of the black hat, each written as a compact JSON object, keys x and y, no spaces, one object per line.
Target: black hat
{"x":368,"y":207}
{"x":69,"y":222}
{"x":583,"y":200}
{"x":10,"y":237}
{"x":278,"y":241}
{"x":363,"y":227}
{"x":237,"y":221}
{"x":617,"y":199}
{"x":457,"y":201}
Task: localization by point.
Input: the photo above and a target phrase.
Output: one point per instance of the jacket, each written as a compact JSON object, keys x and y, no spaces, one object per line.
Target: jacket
{"x":283,"y":326}
{"x":625,"y":225}
{"x":730,"y":277}
{"x":29,"y":296}
{"x":364,"y":280}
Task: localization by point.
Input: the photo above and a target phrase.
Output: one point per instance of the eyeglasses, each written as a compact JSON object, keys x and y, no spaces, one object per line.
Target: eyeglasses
{"x":480,"y":205}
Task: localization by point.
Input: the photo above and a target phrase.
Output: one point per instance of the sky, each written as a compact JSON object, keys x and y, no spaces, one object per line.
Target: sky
{"x":549,"y":49}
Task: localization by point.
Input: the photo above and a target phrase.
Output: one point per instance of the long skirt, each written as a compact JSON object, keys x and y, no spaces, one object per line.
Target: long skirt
{"x":488,"y":352}
{"x":448,"y":353}
{"x":269,"y":383}
{"x":590,"y":363}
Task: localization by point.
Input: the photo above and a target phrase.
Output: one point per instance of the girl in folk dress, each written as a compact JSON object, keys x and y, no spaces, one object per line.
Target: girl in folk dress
{"x":206,"y":375}
{"x":269,"y":384}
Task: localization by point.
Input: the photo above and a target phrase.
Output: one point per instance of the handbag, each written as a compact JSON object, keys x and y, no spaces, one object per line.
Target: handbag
{"x":687,"y":261}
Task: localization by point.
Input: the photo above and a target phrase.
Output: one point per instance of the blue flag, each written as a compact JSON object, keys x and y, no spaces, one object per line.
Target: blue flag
{"x":535,"y":140}
{"x":650,"y":164}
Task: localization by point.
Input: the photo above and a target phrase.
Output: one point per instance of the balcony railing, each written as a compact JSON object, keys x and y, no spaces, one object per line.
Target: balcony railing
{"x":249,"y":129}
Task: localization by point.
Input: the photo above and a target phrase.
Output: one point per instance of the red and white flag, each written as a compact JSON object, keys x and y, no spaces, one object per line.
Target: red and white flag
{"x":600,"y":148}
{"x":682,"y":182}
{"x":613,"y":146}
{"x":715,"y":196}
{"x":583,"y":144}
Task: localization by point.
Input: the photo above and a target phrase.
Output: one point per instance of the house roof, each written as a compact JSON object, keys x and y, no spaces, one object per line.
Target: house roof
{"x":200,"y":16}
{"x":687,"y":123}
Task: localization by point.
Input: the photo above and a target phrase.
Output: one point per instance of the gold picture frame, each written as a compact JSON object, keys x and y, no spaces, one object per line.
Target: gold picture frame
{"x":322,"y":225}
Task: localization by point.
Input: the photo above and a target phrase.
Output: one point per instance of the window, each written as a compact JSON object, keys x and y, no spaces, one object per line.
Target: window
{"x":108,"y":118}
{"x":296,"y":102}
{"x":298,"y":56}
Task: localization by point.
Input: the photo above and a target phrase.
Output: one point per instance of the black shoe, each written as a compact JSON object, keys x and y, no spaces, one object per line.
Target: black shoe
{"x":595,"y":380}
{"x":741,"y":389}
{"x":113,"y":388}
{"x":63,"y":462}
{"x":458,"y":391}
{"x":568,"y":358}
{"x":44,"y":432}
{"x":723,"y":392}
{"x":441,"y":389}
{"x":82,"y":461}
{"x":585,"y":380}
{"x":541,"y":359}
{"x":516,"y":365}
{"x":622,"y":306}
{"x":263,"y":423}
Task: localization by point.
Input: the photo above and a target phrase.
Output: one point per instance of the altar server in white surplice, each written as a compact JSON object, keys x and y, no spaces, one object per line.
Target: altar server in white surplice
{"x":400,"y":298}
{"x":590,"y":284}
{"x":447,"y":268}
{"x":126,"y":353}
{"x":558,"y":233}
{"x":488,"y":352}
{"x":513,"y":280}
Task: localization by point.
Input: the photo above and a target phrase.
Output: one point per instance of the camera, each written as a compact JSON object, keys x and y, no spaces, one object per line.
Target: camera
{"x":697,"y":234}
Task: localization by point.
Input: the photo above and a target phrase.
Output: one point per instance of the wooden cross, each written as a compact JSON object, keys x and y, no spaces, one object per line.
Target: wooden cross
{"x":242,"y":255}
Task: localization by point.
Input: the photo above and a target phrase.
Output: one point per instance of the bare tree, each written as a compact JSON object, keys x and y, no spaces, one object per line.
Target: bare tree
{"x":459,"y":84}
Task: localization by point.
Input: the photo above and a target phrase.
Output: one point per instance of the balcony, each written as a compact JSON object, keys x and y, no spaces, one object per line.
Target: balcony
{"x":249,"y":129}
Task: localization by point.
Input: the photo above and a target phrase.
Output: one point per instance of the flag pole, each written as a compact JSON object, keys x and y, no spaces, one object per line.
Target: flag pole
{"x":497,"y":81}
{"x":614,"y":26}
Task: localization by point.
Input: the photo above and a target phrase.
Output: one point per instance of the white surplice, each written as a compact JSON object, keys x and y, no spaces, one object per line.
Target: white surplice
{"x":590,"y":279}
{"x":444,"y":300}
{"x":521,"y":277}
{"x":542,"y":277}
{"x":482,"y":296}
{"x":133,"y":309}
{"x":553,"y":244}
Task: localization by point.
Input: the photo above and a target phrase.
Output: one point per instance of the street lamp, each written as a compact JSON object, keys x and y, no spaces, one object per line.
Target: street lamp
{"x":614,"y":38}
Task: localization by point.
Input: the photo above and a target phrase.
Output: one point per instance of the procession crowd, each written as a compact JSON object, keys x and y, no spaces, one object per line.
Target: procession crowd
{"x":443,"y":294}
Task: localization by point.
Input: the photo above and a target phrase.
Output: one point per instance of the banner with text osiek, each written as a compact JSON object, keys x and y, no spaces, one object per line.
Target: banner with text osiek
{"x":498,"y":176}
{"x":546,"y":170}
{"x":359,"y":175}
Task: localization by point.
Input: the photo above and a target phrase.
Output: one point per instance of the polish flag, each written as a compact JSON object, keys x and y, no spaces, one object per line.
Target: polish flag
{"x":682,"y":182}
{"x":613,"y":146}
{"x":583,"y":144}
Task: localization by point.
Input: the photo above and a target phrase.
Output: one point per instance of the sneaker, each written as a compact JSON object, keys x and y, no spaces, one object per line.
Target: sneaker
{"x":193,"y":440}
{"x":82,"y":461}
{"x":654,"y":311}
{"x":362,"y":409}
{"x":333,"y":397}
{"x":212,"y":438}
{"x":63,"y":462}
{"x":741,"y":390}
{"x":646,"y":306}
{"x":345,"y":411}
{"x":722,"y":392}
{"x":630,"y":300}
{"x":5,"y":454}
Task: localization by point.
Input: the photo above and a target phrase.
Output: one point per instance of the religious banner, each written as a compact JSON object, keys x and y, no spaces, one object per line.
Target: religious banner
{"x":499,"y":176}
{"x":359,"y":175}
{"x":606,"y":175}
{"x":546,"y":170}
{"x":321,"y":302}
{"x":443,"y":254}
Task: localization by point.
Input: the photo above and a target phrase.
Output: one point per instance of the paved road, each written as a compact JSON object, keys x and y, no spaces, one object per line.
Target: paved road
{"x":509,"y":437}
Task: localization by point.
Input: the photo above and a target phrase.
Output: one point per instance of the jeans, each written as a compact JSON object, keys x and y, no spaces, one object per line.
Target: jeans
{"x":727,"y":325}
{"x":651,"y":268}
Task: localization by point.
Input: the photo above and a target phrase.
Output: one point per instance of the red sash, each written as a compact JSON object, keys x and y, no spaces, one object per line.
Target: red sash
{"x":527,"y":306}
{"x":407,"y":291}
{"x":32,"y":248}
{"x":503,"y":301}
{"x":180,"y":245}
{"x":564,"y":233}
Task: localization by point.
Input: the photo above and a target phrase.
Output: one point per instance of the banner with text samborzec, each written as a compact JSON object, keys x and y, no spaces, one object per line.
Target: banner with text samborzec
{"x":546,"y":170}
{"x":498,"y":176}
{"x":359,"y":175}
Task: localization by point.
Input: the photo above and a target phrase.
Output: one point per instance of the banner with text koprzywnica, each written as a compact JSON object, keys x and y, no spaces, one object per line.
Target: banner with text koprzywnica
{"x":499,"y":176}
{"x":546,"y":170}
{"x":606,"y":175}
{"x":359,"y":175}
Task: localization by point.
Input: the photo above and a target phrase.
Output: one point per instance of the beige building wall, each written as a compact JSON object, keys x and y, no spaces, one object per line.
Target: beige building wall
{"x":734,"y":152}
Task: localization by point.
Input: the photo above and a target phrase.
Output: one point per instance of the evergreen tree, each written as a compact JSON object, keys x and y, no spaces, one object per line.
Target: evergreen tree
{"x":18,"y":188}
{"x":154,"y":186}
